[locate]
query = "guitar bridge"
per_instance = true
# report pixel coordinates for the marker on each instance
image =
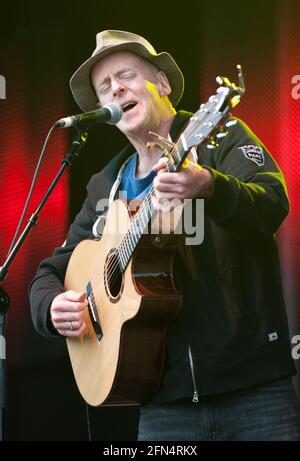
(93, 312)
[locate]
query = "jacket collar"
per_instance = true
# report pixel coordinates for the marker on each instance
(181, 119)
(115, 164)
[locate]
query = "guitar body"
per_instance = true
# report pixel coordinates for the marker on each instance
(123, 363)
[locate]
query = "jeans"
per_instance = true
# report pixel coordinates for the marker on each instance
(265, 412)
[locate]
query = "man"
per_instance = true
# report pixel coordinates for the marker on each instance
(228, 351)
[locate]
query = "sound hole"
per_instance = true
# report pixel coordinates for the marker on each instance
(113, 276)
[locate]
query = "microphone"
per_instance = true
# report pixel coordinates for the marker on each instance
(110, 113)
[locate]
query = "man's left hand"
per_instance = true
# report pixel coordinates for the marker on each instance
(191, 181)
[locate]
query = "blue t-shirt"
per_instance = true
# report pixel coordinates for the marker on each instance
(135, 187)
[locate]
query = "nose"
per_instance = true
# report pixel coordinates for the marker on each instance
(117, 88)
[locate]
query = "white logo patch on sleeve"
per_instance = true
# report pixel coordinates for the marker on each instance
(254, 153)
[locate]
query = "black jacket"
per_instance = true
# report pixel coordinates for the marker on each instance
(232, 331)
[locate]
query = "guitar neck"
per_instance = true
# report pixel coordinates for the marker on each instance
(200, 128)
(140, 221)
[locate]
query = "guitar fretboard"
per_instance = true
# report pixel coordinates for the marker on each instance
(140, 221)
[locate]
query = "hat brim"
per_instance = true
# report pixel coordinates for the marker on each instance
(83, 90)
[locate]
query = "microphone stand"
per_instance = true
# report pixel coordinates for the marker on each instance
(77, 143)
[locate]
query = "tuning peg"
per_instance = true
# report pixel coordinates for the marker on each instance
(230, 123)
(219, 80)
(212, 144)
(240, 90)
(223, 81)
(242, 87)
(221, 134)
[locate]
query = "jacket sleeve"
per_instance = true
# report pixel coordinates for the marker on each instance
(250, 194)
(49, 278)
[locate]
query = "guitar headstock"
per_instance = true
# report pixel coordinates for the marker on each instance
(207, 120)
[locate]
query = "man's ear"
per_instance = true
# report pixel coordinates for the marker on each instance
(163, 85)
(98, 104)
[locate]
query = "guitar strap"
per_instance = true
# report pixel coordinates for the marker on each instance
(100, 222)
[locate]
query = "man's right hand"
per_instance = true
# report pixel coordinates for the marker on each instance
(67, 311)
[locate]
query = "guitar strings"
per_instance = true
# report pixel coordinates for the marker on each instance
(124, 251)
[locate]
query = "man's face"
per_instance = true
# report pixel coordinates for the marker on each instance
(136, 85)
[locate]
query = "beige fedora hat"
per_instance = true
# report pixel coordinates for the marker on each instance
(109, 41)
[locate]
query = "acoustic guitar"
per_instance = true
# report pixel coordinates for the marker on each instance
(129, 280)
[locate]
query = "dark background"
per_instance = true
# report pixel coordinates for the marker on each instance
(41, 45)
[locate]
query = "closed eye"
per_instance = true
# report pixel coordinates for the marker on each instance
(127, 75)
(104, 88)
(122, 75)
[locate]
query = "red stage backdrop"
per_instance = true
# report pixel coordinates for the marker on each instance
(267, 44)
(287, 136)
(32, 104)
(263, 36)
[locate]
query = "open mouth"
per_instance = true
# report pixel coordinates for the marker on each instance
(128, 106)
